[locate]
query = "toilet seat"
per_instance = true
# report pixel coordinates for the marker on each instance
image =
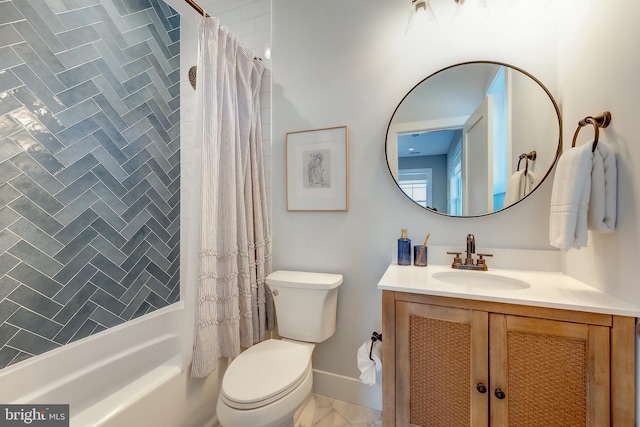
(265, 373)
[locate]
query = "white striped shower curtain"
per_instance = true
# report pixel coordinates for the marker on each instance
(233, 309)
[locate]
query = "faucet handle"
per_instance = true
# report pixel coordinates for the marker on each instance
(456, 259)
(481, 260)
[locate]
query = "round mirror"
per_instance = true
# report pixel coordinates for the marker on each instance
(473, 139)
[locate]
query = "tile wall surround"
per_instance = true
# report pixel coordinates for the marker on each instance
(89, 168)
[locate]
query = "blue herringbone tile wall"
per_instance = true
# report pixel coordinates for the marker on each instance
(89, 168)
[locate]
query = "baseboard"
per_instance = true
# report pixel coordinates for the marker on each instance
(348, 389)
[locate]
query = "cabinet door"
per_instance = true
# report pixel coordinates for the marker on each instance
(546, 372)
(441, 358)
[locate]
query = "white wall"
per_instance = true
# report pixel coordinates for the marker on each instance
(348, 63)
(599, 71)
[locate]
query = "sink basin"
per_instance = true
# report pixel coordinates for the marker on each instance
(480, 279)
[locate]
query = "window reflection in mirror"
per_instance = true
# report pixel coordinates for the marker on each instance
(417, 184)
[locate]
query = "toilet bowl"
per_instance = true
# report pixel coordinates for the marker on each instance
(270, 384)
(266, 385)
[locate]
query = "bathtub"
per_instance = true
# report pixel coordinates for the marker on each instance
(131, 374)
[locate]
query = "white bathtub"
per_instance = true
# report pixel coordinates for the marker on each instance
(131, 374)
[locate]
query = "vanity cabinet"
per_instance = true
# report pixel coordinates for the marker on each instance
(456, 362)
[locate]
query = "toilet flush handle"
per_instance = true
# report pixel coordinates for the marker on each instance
(275, 293)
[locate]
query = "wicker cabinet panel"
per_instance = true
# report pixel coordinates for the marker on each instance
(439, 372)
(547, 380)
(551, 373)
(446, 350)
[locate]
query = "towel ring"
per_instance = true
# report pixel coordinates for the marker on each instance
(599, 121)
(526, 163)
(527, 156)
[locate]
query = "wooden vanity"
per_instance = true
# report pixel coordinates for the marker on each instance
(456, 357)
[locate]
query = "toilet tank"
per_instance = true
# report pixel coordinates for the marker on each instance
(305, 304)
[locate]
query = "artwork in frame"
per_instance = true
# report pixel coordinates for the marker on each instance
(317, 170)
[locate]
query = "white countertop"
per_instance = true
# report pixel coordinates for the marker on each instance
(552, 290)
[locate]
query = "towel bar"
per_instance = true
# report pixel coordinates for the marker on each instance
(599, 121)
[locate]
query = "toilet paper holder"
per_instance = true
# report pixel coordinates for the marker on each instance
(374, 337)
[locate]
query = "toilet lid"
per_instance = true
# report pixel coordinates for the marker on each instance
(264, 373)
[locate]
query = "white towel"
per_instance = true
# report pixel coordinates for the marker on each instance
(369, 368)
(570, 198)
(518, 186)
(604, 190)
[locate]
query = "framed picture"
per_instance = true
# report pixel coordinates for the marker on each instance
(317, 175)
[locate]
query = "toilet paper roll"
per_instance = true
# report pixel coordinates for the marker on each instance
(369, 368)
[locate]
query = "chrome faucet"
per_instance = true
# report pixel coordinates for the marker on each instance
(468, 263)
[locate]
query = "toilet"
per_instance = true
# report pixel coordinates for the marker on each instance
(270, 384)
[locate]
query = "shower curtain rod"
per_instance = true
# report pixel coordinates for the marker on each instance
(197, 7)
(201, 11)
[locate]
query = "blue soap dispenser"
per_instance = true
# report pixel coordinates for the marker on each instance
(404, 248)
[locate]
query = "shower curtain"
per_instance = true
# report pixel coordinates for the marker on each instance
(234, 308)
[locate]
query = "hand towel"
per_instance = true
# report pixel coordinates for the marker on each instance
(528, 184)
(513, 188)
(604, 191)
(369, 368)
(518, 186)
(570, 198)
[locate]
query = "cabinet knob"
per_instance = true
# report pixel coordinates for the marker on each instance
(481, 388)
(500, 394)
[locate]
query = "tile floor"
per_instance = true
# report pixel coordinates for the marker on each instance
(336, 413)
